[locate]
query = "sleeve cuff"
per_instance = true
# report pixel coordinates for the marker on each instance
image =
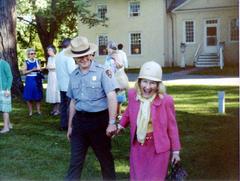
(176, 152)
(119, 126)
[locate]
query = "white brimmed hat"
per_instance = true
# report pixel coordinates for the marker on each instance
(151, 71)
(80, 47)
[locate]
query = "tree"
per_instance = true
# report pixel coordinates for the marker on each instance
(8, 41)
(54, 18)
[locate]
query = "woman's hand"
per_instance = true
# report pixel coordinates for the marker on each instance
(36, 69)
(175, 157)
(111, 130)
(119, 129)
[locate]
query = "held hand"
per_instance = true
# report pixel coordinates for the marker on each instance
(175, 158)
(69, 133)
(119, 129)
(111, 130)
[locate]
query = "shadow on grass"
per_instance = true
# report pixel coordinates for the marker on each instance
(210, 145)
(36, 150)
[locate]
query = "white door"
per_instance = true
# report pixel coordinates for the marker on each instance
(211, 36)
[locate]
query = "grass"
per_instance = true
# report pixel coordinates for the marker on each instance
(226, 71)
(35, 150)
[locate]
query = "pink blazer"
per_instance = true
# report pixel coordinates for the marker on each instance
(165, 130)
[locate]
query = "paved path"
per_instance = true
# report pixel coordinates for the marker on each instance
(183, 78)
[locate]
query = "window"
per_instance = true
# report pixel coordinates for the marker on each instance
(102, 11)
(189, 31)
(135, 43)
(102, 45)
(134, 9)
(213, 21)
(234, 29)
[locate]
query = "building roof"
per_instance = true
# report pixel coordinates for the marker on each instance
(174, 4)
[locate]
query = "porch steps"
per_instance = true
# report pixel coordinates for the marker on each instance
(207, 60)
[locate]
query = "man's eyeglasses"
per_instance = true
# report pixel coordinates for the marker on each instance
(31, 53)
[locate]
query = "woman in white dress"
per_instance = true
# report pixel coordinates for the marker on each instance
(52, 93)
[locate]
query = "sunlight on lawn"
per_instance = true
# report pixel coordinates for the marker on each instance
(35, 149)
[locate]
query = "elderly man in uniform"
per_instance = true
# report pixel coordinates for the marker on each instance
(92, 111)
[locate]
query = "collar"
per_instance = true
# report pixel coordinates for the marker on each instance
(31, 60)
(93, 66)
(157, 100)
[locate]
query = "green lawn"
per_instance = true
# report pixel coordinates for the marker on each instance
(35, 150)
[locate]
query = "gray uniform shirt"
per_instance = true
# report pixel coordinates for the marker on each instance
(90, 90)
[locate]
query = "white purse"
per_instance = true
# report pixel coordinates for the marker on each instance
(121, 78)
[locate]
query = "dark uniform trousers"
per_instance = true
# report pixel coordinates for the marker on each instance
(89, 129)
(64, 105)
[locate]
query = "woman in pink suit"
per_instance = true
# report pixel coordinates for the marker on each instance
(153, 127)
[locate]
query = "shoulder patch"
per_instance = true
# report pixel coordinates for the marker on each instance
(109, 73)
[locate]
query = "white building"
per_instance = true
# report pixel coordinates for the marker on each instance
(155, 29)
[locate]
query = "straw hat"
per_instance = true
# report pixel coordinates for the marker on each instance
(80, 47)
(151, 71)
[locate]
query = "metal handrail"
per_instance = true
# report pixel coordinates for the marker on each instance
(197, 53)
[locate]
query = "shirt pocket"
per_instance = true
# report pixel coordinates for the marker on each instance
(94, 90)
(76, 90)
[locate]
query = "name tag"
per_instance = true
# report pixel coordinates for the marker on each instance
(94, 78)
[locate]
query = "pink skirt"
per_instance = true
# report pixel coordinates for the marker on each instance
(145, 163)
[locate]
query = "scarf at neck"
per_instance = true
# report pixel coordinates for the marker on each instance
(143, 117)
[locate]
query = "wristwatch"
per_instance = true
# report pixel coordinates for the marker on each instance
(112, 121)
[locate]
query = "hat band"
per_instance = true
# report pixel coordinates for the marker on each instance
(81, 52)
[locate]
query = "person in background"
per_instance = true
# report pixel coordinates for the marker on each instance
(123, 55)
(33, 87)
(153, 127)
(5, 93)
(52, 92)
(92, 110)
(64, 67)
(115, 62)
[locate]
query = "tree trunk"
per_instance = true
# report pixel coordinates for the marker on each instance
(47, 28)
(8, 41)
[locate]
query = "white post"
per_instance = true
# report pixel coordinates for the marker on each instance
(221, 57)
(221, 102)
(182, 48)
(182, 61)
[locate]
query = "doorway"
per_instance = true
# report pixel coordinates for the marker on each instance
(211, 36)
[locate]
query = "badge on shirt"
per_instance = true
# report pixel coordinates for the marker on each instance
(109, 73)
(94, 78)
